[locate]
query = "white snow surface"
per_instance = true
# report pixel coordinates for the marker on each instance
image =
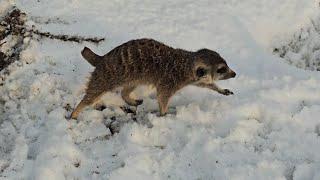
(303, 49)
(269, 129)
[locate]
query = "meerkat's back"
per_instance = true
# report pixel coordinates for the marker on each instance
(145, 60)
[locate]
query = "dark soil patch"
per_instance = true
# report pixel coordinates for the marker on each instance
(12, 24)
(3, 62)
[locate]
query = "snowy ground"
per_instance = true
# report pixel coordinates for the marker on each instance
(269, 129)
(303, 49)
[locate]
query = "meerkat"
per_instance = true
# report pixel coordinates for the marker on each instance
(149, 62)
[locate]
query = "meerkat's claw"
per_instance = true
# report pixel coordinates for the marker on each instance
(134, 102)
(100, 107)
(159, 114)
(139, 102)
(73, 117)
(70, 117)
(227, 92)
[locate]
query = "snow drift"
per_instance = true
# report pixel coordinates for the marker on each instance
(269, 129)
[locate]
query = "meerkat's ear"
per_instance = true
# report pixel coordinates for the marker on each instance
(201, 72)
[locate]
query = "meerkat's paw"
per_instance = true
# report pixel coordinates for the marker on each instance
(100, 107)
(158, 114)
(68, 117)
(138, 102)
(135, 102)
(128, 109)
(72, 117)
(226, 92)
(171, 110)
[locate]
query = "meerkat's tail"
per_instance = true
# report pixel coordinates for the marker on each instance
(90, 56)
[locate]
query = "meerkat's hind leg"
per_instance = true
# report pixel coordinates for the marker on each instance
(89, 99)
(125, 94)
(96, 88)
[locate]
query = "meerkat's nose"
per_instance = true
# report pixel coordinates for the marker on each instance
(233, 74)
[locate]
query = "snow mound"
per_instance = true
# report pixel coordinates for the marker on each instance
(269, 129)
(303, 51)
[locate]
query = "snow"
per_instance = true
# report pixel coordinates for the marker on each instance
(269, 129)
(303, 48)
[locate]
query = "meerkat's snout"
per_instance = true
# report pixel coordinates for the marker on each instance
(227, 75)
(223, 72)
(232, 74)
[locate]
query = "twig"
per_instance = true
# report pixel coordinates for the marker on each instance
(63, 37)
(3, 43)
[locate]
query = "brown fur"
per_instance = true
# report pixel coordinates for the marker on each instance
(149, 62)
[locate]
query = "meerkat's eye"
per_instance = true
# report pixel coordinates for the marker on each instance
(201, 72)
(222, 70)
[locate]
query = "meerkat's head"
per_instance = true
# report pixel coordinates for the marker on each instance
(209, 66)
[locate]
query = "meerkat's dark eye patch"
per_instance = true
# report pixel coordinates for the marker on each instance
(222, 70)
(201, 72)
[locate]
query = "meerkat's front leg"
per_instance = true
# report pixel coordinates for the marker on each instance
(97, 86)
(163, 97)
(163, 104)
(214, 87)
